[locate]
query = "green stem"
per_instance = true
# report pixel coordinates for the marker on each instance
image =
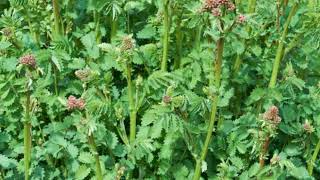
(313, 159)
(165, 39)
(238, 62)
(56, 79)
(198, 38)
(114, 26)
(96, 156)
(128, 23)
(179, 37)
(276, 64)
(132, 110)
(27, 138)
(97, 28)
(218, 70)
(57, 19)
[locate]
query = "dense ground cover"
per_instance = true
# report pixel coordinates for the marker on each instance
(159, 89)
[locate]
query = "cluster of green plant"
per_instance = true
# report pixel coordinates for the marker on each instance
(159, 89)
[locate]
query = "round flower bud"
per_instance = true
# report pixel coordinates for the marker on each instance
(272, 115)
(166, 99)
(74, 103)
(83, 75)
(308, 127)
(275, 159)
(7, 32)
(241, 19)
(128, 43)
(28, 60)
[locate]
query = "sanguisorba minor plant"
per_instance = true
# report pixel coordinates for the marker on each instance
(29, 65)
(182, 89)
(221, 10)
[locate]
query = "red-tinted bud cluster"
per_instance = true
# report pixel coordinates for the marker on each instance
(308, 127)
(28, 60)
(74, 103)
(272, 115)
(214, 6)
(166, 99)
(242, 19)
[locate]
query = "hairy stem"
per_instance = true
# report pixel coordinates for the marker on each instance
(217, 79)
(165, 37)
(264, 150)
(93, 148)
(27, 138)
(313, 159)
(276, 64)
(132, 110)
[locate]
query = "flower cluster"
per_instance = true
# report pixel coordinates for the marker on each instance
(7, 32)
(308, 127)
(120, 172)
(166, 99)
(83, 74)
(28, 60)
(275, 159)
(241, 19)
(214, 6)
(128, 43)
(272, 115)
(74, 103)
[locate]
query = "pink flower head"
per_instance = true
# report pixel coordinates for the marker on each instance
(272, 115)
(242, 19)
(28, 60)
(74, 103)
(231, 6)
(216, 12)
(213, 4)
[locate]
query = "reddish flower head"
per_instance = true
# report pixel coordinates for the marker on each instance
(74, 103)
(211, 5)
(28, 60)
(272, 115)
(216, 12)
(242, 19)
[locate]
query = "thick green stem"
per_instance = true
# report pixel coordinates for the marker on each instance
(56, 79)
(179, 37)
(114, 26)
(165, 40)
(27, 138)
(57, 19)
(276, 64)
(132, 110)
(96, 156)
(313, 159)
(97, 28)
(198, 35)
(238, 62)
(217, 79)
